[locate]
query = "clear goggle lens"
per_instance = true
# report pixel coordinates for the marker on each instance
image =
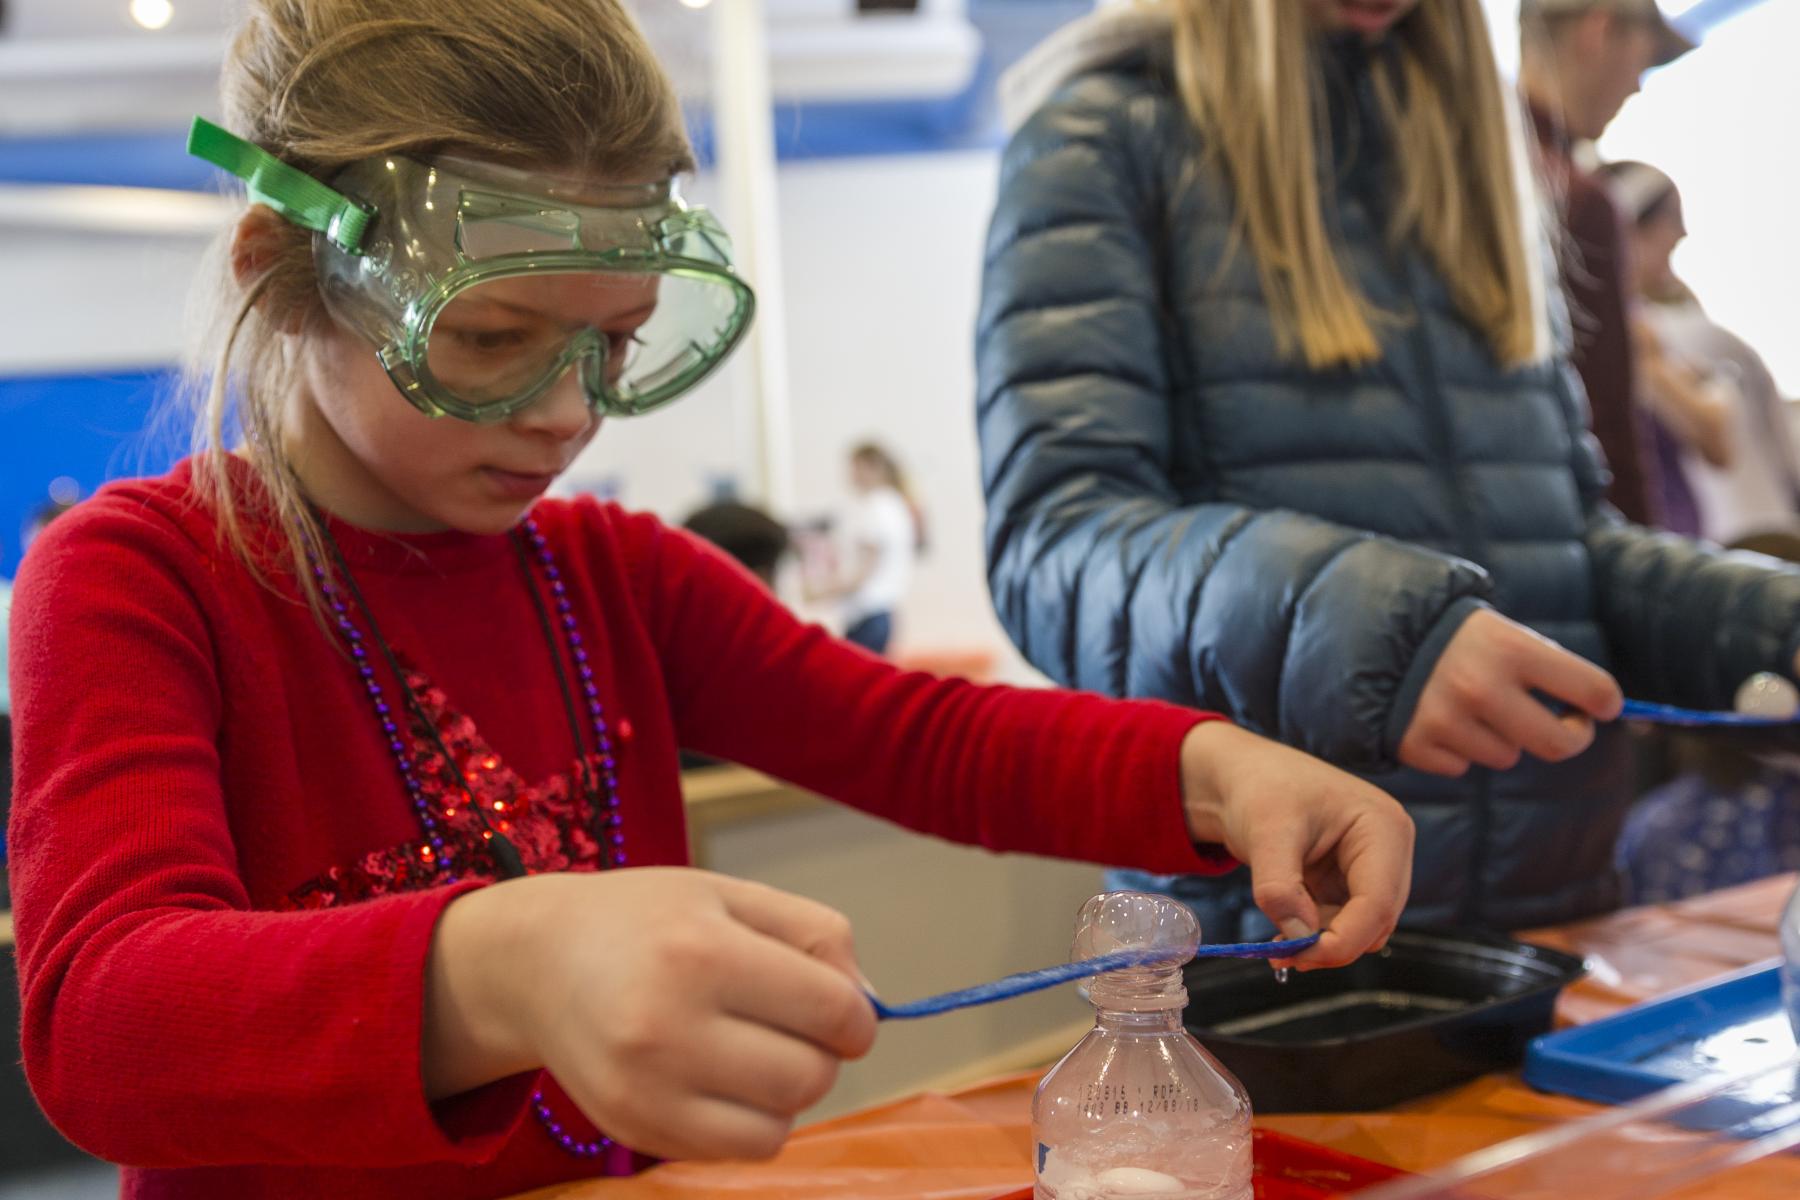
(637, 339)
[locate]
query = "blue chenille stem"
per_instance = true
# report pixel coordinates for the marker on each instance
(1048, 977)
(1668, 714)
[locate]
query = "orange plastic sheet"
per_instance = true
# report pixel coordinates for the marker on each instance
(975, 1144)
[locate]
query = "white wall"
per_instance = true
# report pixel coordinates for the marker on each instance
(882, 260)
(1718, 121)
(77, 301)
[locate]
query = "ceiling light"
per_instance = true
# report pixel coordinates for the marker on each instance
(152, 14)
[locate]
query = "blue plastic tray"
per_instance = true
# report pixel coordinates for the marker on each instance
(1731, 1025)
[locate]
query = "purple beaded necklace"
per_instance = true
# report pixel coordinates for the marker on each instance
(609, 824)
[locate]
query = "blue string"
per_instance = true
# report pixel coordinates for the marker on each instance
(1048, 977)
(1668, 714)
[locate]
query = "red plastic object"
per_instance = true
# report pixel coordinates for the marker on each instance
(1289, 1168)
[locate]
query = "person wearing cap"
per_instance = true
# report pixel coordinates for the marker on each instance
(1580, 61)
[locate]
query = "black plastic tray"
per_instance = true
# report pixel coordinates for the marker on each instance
(1431, 1010)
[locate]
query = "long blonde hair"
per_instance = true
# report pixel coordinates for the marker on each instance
(1250, 80)
(567, 84)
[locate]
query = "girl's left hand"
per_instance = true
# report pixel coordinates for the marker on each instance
(1326, 851)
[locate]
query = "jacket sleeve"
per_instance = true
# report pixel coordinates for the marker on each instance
(1685, 621)
(1311, 632)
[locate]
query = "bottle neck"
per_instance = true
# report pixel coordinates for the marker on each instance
(1149, 990)
(1160, 1021)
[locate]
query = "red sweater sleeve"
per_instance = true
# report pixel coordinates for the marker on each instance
(164, 1023)
(1066, 774)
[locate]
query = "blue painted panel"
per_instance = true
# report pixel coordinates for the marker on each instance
(802, 131)
(159, 160)
(90, 428)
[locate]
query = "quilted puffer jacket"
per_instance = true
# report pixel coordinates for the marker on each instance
(1178, 509)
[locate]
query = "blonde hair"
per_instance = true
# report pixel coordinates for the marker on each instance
(560, 84)
(1250, 81)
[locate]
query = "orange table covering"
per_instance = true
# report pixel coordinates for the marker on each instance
(976, 1144)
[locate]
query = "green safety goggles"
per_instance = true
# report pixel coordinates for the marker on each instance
(481, 286)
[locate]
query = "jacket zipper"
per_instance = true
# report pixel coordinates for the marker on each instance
(1469, 545)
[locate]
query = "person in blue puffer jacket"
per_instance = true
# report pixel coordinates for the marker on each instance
(1273, 421)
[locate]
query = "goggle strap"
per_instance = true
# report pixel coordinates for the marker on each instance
(286, 189)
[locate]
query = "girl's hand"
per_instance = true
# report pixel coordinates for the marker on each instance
(689, 1015)
(1326, 851)
(1478, 706)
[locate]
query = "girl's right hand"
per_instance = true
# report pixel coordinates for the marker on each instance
(689, 1015)
(1477, 707)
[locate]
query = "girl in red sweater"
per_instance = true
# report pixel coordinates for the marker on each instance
(348, 846)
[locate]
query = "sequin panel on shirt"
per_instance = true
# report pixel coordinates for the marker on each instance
(551, 822)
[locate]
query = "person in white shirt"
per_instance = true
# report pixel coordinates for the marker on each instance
(885, 532)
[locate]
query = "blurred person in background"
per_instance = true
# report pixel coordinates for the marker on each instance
(1276, 417)
(1706, 386)
(748, 534)
(1580, 60)
(885, 529)
(756, 540)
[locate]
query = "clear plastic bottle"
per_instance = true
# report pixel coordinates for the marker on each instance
(1138, 1108)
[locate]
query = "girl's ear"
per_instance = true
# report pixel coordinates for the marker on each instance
(255, 243)
(260, 240)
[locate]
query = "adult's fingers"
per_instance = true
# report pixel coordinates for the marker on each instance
(1423, 754)
(1524, 722)
(1571, 678)
(1474, 740)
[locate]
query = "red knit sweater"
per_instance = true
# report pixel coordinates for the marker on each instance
(222, 907)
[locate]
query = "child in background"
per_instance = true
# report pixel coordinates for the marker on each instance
(750, 535)
(349, 856)
(885, 532)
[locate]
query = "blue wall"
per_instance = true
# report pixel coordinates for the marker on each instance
(88, 427)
